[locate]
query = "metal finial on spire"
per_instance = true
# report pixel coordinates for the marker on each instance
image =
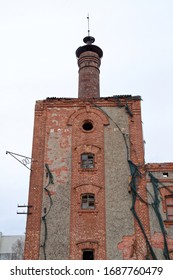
(89, 39)
(88, 18)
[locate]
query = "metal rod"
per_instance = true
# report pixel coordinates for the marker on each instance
(7, 152)
(88, 18)
(12, 154)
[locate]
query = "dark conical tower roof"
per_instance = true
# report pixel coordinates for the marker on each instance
(89, 40)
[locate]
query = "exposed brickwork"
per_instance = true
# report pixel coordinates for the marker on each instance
(87, 227)
(32, 243)
(89, 86)
(165, 188)
(158, 242)
(58, 158)
(128, 248)
(137, 157)
(58, 227)
(59, 141)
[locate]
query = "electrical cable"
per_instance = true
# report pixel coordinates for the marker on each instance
(132, 183)
(166, 187)
(123, 134)
(50, 181)
(124, 137)
(155, 206)
(135, 173)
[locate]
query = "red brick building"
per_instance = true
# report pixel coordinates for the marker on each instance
(91, 194)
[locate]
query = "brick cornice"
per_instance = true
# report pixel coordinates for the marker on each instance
(159, 167)
(115, 101)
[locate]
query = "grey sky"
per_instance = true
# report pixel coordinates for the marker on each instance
(37, 60)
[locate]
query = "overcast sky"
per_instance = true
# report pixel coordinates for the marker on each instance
(38, 40)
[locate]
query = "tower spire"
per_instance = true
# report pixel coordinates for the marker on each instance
(89, 60)
(88, 18)
(89, 39)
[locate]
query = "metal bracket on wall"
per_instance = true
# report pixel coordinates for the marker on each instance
(24, 160)
(24, 206)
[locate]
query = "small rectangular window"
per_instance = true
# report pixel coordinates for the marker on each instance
(165, 174)
(87, 160)
(88, 254)
(88, 201)
(169, 207)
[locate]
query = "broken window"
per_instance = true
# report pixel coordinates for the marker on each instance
(87, 160)
(88, 201)
(88, 255)
(169, 207)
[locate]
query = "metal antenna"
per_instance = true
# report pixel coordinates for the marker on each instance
(88, 18)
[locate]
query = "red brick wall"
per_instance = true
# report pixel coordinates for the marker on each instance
(87, 227)
(165, 188)
(137, 157)
(32, 243)
(89, 85)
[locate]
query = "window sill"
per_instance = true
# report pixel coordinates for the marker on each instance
(87, 170)
(90, 211)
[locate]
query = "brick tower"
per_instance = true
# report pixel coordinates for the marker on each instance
(88, 185)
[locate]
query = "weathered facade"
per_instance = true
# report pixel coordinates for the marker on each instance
(92, 195)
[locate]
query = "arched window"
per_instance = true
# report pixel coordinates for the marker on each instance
(87, 160)
(88, 201)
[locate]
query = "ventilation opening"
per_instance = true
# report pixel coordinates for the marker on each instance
(88, 255)
(165, 174)
(87, 126)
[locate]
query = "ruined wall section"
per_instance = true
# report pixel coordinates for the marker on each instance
(119, 219)
(163, 172)
(56, 201)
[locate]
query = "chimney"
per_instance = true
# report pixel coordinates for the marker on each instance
(89, 60)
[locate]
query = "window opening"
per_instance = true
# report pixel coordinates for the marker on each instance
(88, 255)
(87, 161)
(169, 207)
(88, 201)
(87, 126)
(165, 174)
